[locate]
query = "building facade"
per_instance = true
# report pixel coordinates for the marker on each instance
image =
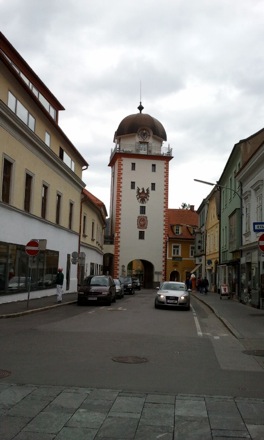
(40, 184)
(182, 225)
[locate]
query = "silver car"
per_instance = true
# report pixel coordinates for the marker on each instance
(173, 294)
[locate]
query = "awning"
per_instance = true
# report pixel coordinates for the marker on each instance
(196, 268)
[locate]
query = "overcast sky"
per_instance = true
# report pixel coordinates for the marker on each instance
(200, 64)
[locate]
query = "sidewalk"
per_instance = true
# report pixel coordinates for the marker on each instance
(19, 308)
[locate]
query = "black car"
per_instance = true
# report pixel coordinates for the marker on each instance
(129, 286)
(97, 289)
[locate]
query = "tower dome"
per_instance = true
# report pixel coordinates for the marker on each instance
(133, 123)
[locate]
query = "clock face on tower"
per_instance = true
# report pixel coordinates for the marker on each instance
(143, 134)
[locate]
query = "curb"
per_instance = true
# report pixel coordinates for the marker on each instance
(226, 323)
(39, 309)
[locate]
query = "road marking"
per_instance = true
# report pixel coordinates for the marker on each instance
(198, 327)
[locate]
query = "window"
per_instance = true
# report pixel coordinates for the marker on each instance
(153, 186)
(176, 250)
(132, 185)
(93, 231)
(142, 210)
(58, 208)
(192, 251)
(141, 235)
(66, 159)
(153, 168)
(70, 215)
(177, 230)
(47, 139)
(84, 225)
(7, 177)
(259, 208)
(44, 199)
(133, 166)
(28, 189)
(18, 108)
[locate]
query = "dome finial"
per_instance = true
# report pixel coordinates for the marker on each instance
(140, 107)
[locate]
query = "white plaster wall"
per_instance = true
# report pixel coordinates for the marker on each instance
(131, 247)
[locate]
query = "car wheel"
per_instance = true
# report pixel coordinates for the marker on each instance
(156, 305)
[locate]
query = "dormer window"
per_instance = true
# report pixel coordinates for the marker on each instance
(177, 230)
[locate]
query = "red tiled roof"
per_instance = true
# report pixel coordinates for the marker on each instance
(186, 218)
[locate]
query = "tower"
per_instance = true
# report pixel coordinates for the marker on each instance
(139, 198)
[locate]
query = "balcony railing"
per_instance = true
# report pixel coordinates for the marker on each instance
(138, 148)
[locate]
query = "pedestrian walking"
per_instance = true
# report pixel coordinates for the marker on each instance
(59, 284)
(204, 285)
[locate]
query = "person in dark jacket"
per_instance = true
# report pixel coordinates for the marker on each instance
(59, 284)
(204, 285)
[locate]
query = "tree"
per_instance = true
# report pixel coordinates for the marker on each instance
(185, 205)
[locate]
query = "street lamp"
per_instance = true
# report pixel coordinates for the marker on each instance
(218, 186)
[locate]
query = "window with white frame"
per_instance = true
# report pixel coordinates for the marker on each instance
(192, 251)
(176, 250)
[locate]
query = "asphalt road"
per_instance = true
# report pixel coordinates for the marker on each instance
(131, 346)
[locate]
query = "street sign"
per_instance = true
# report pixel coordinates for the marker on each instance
(32, 248)
(258, 226)
(261, 242)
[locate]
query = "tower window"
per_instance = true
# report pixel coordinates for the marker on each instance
(153, 186)
(153, 168)
(142, 210)
(141, 235)
(133, 166)
(132, 185)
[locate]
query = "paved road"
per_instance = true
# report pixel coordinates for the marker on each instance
(44, 412)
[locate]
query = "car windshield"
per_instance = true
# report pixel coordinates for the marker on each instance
(117, 282)
(96, 281)
(172, 286)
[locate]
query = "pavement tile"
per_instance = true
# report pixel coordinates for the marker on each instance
(190, 408)
(157, 415)
(194, 428)
(104, 394)
(160, 398)
(252, 412)
(47, 392)
(128, 405)
(224, 415)
(11, 426)
(14, 394)
(83, 418)
(220, 433)
(256, 431)
(27, 408)
(97, 405)
(118, 428)
(68, 400)
(33, 436)
(69, 433)
(47, 422)
(154, 433)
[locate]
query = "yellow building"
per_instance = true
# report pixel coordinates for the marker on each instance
(212, 239)
(182, 224)
(40, 183)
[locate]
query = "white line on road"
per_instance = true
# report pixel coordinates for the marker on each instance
(198, 327)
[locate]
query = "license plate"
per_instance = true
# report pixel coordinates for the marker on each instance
(172, 301)
(92, 298)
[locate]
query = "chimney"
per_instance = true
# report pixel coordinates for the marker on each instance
(191, 207)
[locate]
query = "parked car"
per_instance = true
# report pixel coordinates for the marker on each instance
(119, 288)
(129, 287)
(97, 289)
(18, 283)
(173, 294)
(136, 283)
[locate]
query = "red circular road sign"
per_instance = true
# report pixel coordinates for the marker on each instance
(32, 248)
(261, 242)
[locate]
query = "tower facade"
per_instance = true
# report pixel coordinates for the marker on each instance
(139, 198)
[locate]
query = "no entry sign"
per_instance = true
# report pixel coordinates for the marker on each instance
(261, 242)
(32, 248)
